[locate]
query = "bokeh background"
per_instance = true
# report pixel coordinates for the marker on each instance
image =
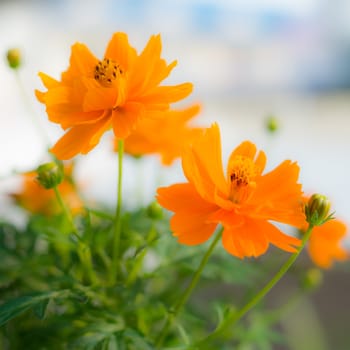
(248, 60)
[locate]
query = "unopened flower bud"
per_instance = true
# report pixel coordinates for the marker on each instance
(50, 174)
(312, 279)
(317, 210)
(272, 124)
(14, 58)
(154, 211)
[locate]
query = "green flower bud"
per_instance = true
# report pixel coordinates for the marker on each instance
(312, 279)
(272, 124)
(317, 210)
(50, 174)
(155, 211)
(14, 58)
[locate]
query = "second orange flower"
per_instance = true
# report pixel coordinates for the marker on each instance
(244, 201)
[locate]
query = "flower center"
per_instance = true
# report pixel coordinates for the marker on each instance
(242, 172)
(107, 71)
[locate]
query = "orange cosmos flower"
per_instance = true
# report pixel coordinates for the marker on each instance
(243, 201)
(38, 200)
(165, 135)
(115, 92)
(325, 243)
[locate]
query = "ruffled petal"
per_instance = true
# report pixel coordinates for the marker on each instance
(141, 79)
(166, 94)
(278, 196)
(202, 164)
(253, 238)
(120, 50)
(324, 246)
(99, 98)
(80, 139)
(189, 223)
(124, 118)
(82, 63)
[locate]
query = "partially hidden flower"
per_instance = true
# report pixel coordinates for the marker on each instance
(165, 135)
(95, 95)
(325, 244)
(38, 200)
(244, 201)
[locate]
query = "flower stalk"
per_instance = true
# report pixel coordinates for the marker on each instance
(117, 219)
(235, 317)
(188, 291)
(83, 249)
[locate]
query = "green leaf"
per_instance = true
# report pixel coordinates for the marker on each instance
(38, 302)
(40, 308)
(137, 339)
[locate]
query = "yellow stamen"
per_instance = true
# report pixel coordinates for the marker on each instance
(107, 72)
(241, 176)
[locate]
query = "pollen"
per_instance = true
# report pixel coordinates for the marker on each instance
(107, 71)
(242, 172)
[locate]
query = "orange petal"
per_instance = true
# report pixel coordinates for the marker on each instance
(124, 118)
(82, 63)
(167, 94)
(324, 246)
(202, 164)
(278, 196)
(253, 238)
(191, 212)
(48, 81)
(80, 139)
(99, 98)
(190, 229)
(183, 197)
(120, 50)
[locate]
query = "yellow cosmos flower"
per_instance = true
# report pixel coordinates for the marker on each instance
(245, 201)
(165, 135)
(116, 92)
(38, 200)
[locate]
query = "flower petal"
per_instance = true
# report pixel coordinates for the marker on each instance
(80, 139)
(120, 50)
(124, 118)
(325, 244)
(278, 196)
(189, 223)
(99, 98)
(253, 238)
(82, 63)
(166, 94)
(202, 164)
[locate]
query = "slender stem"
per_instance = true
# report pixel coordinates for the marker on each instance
(66, 212)
(234, 318)
(83, 249)
(33, 115)
(183, 299)
(133, 273)
(117, 218)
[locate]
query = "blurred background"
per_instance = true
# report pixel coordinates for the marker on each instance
(248, 60)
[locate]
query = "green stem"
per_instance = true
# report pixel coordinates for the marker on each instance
(132, 275)
(117, 218)
(83, 249)
(234, 318)
(33, 115)
(172, 315)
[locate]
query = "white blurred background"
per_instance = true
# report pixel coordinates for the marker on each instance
(247, 59)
